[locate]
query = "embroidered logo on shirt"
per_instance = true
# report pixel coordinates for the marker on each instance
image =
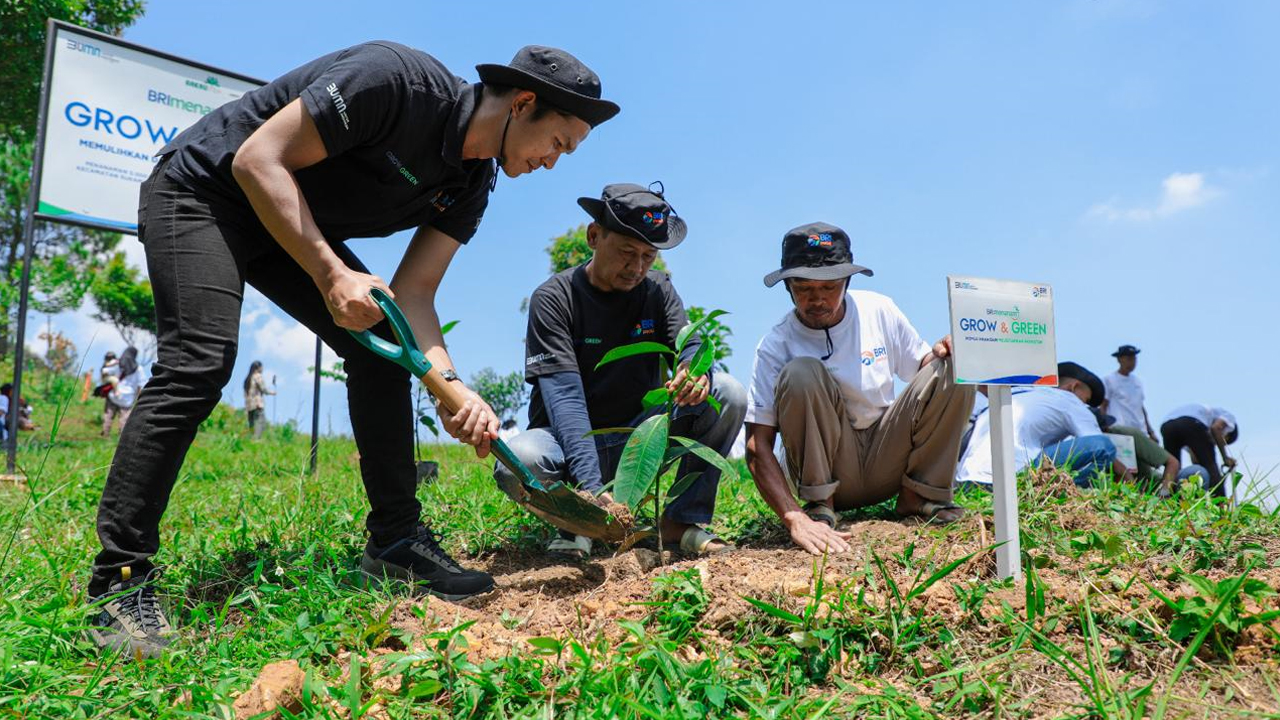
(538, 358)
(339, 104)
(820, 240)
(591, 341)
(644, 327)
(442, 201)
(654, 219)
(874, 356)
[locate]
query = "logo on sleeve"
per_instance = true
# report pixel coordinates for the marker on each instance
(540, 357)
(644, 327)
(339, 104)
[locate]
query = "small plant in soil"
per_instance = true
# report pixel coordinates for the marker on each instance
(652, 450)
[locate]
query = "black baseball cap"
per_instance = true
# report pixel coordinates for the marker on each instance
(638, 212)
(816, 251)
(1097, 391)
(1125, 350)
(557, 78)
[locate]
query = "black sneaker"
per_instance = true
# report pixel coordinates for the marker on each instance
(130, 619)
(420, 561)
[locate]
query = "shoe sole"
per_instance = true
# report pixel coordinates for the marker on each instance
(381, 571)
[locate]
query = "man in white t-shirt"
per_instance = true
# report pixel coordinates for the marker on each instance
(823, 379)
(1198, 429)
(1126, 399)
(1052, 424)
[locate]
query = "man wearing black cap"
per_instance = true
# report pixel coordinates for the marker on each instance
(823, 379)
(363, 142)
(1050, 425)
(1126, 398)
(582, 313)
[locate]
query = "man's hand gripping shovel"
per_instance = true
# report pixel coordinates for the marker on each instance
(556, 503)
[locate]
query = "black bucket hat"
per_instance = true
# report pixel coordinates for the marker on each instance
(557, 78)
(1125, 350)
(816, 251)
(1098, 391)
(638, 212)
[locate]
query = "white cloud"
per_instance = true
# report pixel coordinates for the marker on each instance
(1179, 191)
(282, 341)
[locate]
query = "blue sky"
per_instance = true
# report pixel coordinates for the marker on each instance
(1123, 151)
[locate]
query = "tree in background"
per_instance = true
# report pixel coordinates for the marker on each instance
(506, 394)
(571, 249)
(124, 299)
(66, 257)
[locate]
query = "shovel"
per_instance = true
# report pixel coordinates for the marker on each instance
(554, 502)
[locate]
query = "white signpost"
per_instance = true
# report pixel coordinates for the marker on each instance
(1002, 333)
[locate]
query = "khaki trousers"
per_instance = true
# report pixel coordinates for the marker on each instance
(914, 446)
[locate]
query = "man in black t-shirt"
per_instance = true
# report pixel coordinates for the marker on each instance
(580, 314)
(363, 142)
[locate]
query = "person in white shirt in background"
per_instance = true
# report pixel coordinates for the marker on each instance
(1051, 425)
(823, 379)
(1126, 398)
(125, 387)
(1199, 428)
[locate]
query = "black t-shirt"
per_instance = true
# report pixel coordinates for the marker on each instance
(392, 119)
(571, 327)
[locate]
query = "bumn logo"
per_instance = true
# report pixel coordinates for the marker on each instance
(339, 104)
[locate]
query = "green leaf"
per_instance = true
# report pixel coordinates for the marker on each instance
(626, 351)
(714, 403)
(547, 644)
(711, 456)
(703, 359)
(678, 487)
(682, 338)
(611, 431)
(1203, 585)
(444, 329)
(655, 397)
(941, 573)
(640, 460)
(775, 611)
(425, 688)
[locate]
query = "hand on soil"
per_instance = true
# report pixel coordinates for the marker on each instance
(476, 424)
(816, 538)
(346, 294)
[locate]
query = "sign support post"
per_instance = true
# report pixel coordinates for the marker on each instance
(28, 252)
(1004, 478)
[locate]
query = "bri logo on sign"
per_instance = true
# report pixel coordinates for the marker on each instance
(820, 240)
(874, 356)
(644, 327)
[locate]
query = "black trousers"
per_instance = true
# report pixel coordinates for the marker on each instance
(200, 253)
(1185, 432)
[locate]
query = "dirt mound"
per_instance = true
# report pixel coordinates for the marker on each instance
(541, 596)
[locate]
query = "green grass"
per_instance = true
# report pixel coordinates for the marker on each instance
(259, 562)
